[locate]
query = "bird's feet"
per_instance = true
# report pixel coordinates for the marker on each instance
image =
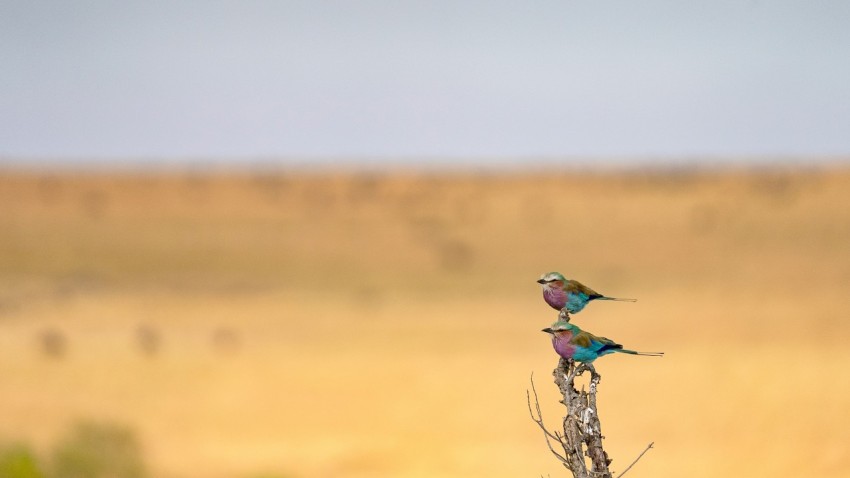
(564, 315)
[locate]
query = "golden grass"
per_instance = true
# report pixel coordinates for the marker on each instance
(387, 325)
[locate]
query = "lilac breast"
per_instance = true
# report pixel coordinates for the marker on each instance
(563, 346)
(555, 297)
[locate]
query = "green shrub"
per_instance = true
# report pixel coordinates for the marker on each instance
(98, 450)
(18, 461)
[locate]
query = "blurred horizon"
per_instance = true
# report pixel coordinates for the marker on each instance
(433, 165)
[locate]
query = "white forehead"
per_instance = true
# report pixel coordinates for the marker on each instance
(551, 276)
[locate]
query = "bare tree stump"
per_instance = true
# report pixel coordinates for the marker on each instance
(582, 429)
(582, 432)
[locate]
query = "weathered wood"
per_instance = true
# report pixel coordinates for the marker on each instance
(582, 428)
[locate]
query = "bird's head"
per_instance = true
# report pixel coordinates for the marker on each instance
(550, 277)
(559, 326)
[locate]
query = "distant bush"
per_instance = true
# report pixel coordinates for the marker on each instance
(98, 450)
(18, 461)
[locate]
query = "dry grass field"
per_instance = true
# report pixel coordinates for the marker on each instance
(284, 324)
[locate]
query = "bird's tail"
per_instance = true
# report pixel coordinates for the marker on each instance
(648, 354)
(617, 299)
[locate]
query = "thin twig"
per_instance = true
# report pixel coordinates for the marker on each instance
(636, 460)
(539, 413)
(539, 421)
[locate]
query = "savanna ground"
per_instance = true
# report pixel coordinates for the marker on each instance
(385, 325)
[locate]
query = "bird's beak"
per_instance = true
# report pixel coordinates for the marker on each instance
(548, 330)
(541, 281)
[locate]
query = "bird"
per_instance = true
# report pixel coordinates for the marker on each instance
(570, 342)
(561, 293)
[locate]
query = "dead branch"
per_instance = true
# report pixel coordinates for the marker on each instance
(581, 426)
(539, 421)
(582, 430)
(582, 437)
(636, 460)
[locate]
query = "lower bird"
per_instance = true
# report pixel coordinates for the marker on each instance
(570, 342)
(561, 293)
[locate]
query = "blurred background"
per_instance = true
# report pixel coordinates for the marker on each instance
(300, 239)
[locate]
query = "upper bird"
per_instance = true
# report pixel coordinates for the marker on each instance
(573, 343)
(561, 293)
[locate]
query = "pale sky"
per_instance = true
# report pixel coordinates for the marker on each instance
(424, 79)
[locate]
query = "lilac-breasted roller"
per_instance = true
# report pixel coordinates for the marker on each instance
(561, 293)
(573, 343)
